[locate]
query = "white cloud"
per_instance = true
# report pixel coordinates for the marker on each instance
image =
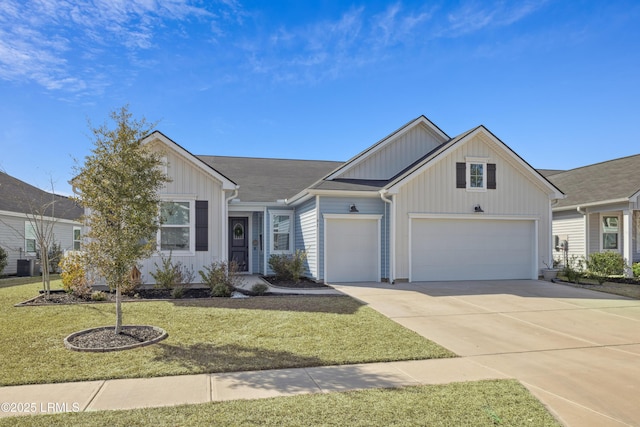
(47, 41)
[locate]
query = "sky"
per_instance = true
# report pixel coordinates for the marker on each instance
(557, 80)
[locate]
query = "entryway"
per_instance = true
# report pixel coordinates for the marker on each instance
(239, 242)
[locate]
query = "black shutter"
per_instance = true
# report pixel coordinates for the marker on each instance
(461, 175)
(491, 176)
(202, 225)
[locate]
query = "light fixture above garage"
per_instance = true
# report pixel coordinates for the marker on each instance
(353, 209)
(478, 209)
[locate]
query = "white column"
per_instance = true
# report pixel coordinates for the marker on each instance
(627, 238)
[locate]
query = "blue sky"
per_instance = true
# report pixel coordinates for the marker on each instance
(557, 81)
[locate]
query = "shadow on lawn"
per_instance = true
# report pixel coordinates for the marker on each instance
(336, 304)
(231, 357)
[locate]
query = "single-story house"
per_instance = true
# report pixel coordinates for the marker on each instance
(601, 211)
(22, 206)
(417, 205)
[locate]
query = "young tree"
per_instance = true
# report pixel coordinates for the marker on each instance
(118, 186)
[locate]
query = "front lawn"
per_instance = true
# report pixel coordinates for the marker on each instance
(206, 335)
(482, 403)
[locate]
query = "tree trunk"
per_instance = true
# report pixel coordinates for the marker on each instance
(44, 267)
(118, 310)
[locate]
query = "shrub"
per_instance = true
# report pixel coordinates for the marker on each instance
(178, 292)
(222, 278)
(287, 266)
(55, 256)
(3, 260)
(171, 274)
(635, 267)
(259, 288)
(574, 270)
(605, 264)
(98, 296)
(131, 282)
(75, 279)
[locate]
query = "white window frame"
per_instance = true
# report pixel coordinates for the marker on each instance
(74, 240)
(619, 232)
(30, 234)
(272, 233)
(192, 226)
(476, 161)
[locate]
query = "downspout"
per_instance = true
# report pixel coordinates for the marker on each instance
(225, 225)
(391, 259)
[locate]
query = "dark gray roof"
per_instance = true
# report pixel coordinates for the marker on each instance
(610, 180)
(268, 180)
(18, 196)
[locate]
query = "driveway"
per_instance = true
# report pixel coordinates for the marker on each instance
(577, 351)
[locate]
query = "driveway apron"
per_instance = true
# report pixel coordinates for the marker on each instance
(576, 350)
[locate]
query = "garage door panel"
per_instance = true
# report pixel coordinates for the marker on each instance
(352, 250)
(445, 249)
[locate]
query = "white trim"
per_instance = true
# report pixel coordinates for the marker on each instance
(291, 215)
(535, 219)
(316, 274)
(601, 216)
(476, 161)
(554, 193)
(192, 227)
(359, 158)
(227, 184)
(354, 217)
(474, 216)
(73, 237)
(35, 216)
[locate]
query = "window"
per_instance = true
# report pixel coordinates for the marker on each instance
(476, 174)
(76, 238)
(175, 226)
(281, 232)
(29, 238)
(610, 232)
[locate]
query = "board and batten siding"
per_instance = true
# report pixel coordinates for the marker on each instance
(306, 238)
(396, 156)
(571, 224)
(434, 191)
(191, 183)
(365, 205)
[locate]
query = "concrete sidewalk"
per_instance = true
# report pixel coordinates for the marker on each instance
(193, 389)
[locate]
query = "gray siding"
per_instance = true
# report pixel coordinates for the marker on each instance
(571, 224)
(365, 205)
(306, 238)
(12, 238)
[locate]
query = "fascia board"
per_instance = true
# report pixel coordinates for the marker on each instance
(553, 192)
(592, 204)
(227, 184)
(386, 141)
(32, 217)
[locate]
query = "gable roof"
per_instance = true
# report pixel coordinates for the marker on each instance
(269, 180)
(606, 182)
(19, 197)
(384, 142)
(448, 146)
(227, 183)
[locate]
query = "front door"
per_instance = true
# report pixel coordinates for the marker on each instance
(239, 242)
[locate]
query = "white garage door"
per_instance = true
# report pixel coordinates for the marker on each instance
(352, 250)
(462, 249)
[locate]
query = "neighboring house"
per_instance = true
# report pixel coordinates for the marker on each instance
(21, 206)
(416, 206)
(601, 210)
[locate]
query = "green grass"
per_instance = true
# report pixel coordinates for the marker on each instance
(212, 335)
(478, 404)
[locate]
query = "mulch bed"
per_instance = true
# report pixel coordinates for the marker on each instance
(304, 283)
(100, 338)
(61, 297)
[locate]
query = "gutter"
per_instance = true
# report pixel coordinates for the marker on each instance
(392, 235)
